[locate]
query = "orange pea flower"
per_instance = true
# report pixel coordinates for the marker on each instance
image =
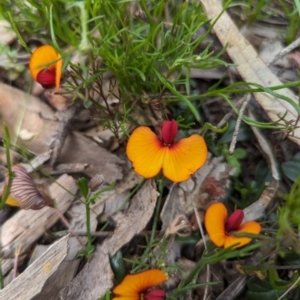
(136, 286)
(178, 160)
(220, 229)
(45, 66)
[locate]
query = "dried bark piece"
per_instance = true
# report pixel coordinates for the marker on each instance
(47, 275)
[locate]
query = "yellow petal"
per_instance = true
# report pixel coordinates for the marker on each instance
(249, 227)
(184, 158)
(215, 218)
(12, 201)
(46, 57)
(134, 284)
(145, 151)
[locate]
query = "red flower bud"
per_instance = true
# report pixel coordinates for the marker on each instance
(169, 132)
(46, 78)
(155, 295)
(234, 221)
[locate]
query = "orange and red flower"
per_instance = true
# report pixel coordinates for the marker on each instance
(221, 230)
(139, 286)
(178, 160)
(45, 66)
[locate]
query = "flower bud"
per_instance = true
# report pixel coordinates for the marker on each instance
(234, 221)
(169, 132)
(46, 78)
(155, 295)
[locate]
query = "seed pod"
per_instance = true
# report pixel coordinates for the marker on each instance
(24, 193)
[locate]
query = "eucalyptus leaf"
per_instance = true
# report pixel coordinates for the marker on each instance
(117, 265)
(291, 168)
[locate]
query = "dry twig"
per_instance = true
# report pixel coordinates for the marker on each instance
(246, 100)
(285, 51)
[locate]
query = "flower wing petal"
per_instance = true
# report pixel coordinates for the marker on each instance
(145, 151)
(249, 227)
(134, 284)
(184, 158)
(11, 201)
(127, 298)
(44, 57)
(214, 220)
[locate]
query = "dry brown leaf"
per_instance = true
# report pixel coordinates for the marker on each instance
(22, 112)
(25, 113)
(58, 101)
(252, 68)
(96, 276)
(80, 149)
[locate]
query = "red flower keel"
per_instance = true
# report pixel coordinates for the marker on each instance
(234, 221)
(155, 295)
(169, 132)
(46, 78)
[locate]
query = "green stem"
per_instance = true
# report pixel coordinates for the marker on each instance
(217, 257)
(88, 222)
(52, 31)
(16, 30)
(149, 17)
(132, 193)
(232, 90)
(1, 278)
(156, 216)
(213, 128)
(157, 209)
(8, 163)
